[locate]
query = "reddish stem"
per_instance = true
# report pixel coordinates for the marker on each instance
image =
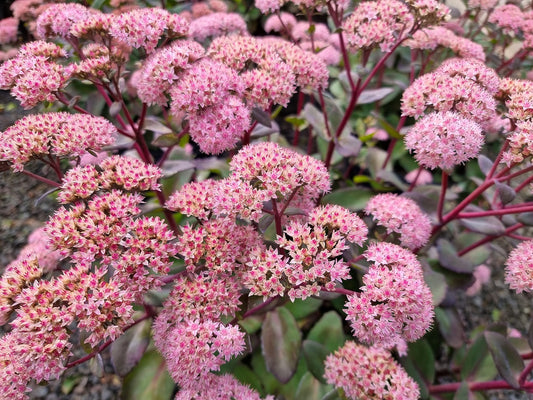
(501, 211)
(489, 239)
(475, 386)
(41, 178)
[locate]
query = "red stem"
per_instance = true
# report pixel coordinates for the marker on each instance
(489, 239)
(452, 387)
(41, 178)
(501, 211)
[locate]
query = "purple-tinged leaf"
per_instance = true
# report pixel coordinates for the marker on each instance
(486, 225)
(450, 326)
(281, 340)
(262, 117)
(506, 192)
(506, 358)
(129, 348)
(485, 164)
(449, 259)
(315, 354)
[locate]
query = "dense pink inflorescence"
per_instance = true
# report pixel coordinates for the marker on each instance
(395, 305)
(430, 38)
(282, 22)
(217, 24)
(403, 216)
(219, 387)
(519, 268)
(58, 19)
(163, 68)
(444, 140)
(142, 28)
(194, 199)
(8, 30)
(377, 23)
(520, 143)
(59, 133)
(509, 17)
(369, 373)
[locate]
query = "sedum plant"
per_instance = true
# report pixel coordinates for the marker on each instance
(288, 215)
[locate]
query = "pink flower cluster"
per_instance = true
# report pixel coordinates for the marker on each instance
(369, 373)
(8, 30)
(403, 216)
(314, 250)
(58, 19)
(113, 172)
(395, 305)
(217, 24)
(520, 143)
(519, 268)
(430, 38)
(220, 387)
(518, 98)
(144, 27)
(194, 199)
(61, 134)
(33, 76)
(377, 23)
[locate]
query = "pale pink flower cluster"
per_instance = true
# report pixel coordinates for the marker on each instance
(220, 387)
(33, 76)
(474, 70)
(267, 6)
(38, 247)
(377, 23)
(444, 140)
(282, 22)
(369, 373)
(403, 216)
(163, 68)
(395, 305)
(59, 133)
(430, 38)
(209, 92)
(423, 178)
(143, 27)
(428, 12)
(321, 42)
(194, 199)
(217, 24)
(194, 348)
(445, 91)
(482, 4)
(29, 10)
(94, 26)
(509, 17)
(481, 277)
(267, 171)
(519, 268)
(58, 19)
(202, 8)
(518, 97)
(217, 245)
(8, 30)
(314, 249)
(520, 143)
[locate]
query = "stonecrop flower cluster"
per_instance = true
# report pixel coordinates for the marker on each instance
(184, 207)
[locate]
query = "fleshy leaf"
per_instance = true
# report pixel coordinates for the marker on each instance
(450, 326)
(485, 164)
(281, 340)
(309, 388)
(449, 259)
(328, 331)
(373, 95)
(315, 354)
(507, 360)
(262, 117)
(129, 348)
(353, 198)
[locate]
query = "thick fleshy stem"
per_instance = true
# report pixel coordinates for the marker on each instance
(41, 178)
(259, 307)
(342, 290)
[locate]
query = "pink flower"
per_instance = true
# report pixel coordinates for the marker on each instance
(266, 6)
(519, 268)
(194, 199)
(444, 140)
(145, 26)
(61, 134)
(58, 19)
(472, 69)
(8, 30)
(508, 17)
(95, 25)
(192, 348)
(163, 68)
(422, 177)
(282, 22)
(395, 304)
(377, 23)
(403, 216)
(217, 24)
(368, 373)
(219, 387)
(430, 38)
(482, 276)
(520, 143)
(482, 4)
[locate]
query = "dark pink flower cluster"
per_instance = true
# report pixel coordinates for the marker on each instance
(369, 373)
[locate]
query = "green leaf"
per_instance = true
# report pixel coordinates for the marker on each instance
(424, 359)
(437, 284)
(302, 308)
(474, 358)
(149, 380)
(244, 374)
(281, 340)
(251, 324)
(129, 348)
(310, 389)
(354, 198)
(332, 395)
(315, 354)
(463, 393)
(97, 4)
(166, 140)
(375, 159)
(449, 259)
(328, 331)
(507, 360)
(450, 326)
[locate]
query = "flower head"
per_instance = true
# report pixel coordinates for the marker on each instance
(217, 24)
(519, 268)
(58, 19)
(8, 30)
(194, 199)
(369, 373)
(401, 215)
(444, 140)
